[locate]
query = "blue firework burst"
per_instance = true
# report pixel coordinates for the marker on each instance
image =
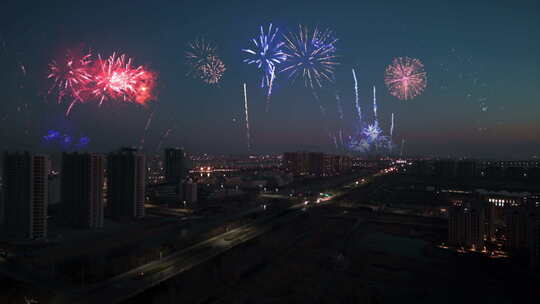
(266, 53)
(311, 54)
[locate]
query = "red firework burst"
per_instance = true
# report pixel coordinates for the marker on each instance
(116, 78)
(405, 78)
(113, 78)
(71, 75)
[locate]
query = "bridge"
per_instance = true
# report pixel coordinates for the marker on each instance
(137, 280)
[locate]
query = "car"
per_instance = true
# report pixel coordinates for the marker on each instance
(139, 275)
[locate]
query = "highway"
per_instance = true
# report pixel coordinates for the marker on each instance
(139, 279)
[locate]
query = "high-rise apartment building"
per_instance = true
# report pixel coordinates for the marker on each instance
(534, 242)
(25, 195)
(466, 225)
(522, 221)
(315, 163)
(175, 165)
(126, 184)
(82, 194)
(190, 192)
(516, 229)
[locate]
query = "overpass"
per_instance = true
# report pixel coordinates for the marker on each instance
(137, 280)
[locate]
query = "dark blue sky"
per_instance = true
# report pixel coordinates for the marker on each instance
(482, 60)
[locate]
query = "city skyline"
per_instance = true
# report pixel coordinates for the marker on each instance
(480, 61)
(279, 152)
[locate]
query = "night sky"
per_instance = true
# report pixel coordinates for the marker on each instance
(481, 58)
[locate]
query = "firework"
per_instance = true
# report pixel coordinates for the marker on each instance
(372, 132)
(83, 79)
(311, 55)
(71, 75)
(383, 142)
(163, 137)
(203, 61)
(356, 99)
(145, 87)
(148, 121)
(266, 53)
(198, 51)
(65, 141)
(392, 126)
(83, 142)
(391, 132)
(51, 135)
(116, 79)
(405, 78)
(246, 109)
(212, 71)
(146, 127)
(375, 104)
(71, 104)
(359, 145)
(339, 107)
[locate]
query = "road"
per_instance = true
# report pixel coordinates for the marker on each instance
(131, 283)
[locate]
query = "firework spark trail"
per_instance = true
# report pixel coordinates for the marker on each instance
(321, 106)
(392, 127)
(339, 107)
(375, 105)
(402, 145)
(149, 121)
(141, 143)
(356, 99)
(165, 135)
(23, 69)
(270, 86)
(340, 114)
(146, 127)
(246, 109)
(71, 104)
(335, 141)
(391, 133)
